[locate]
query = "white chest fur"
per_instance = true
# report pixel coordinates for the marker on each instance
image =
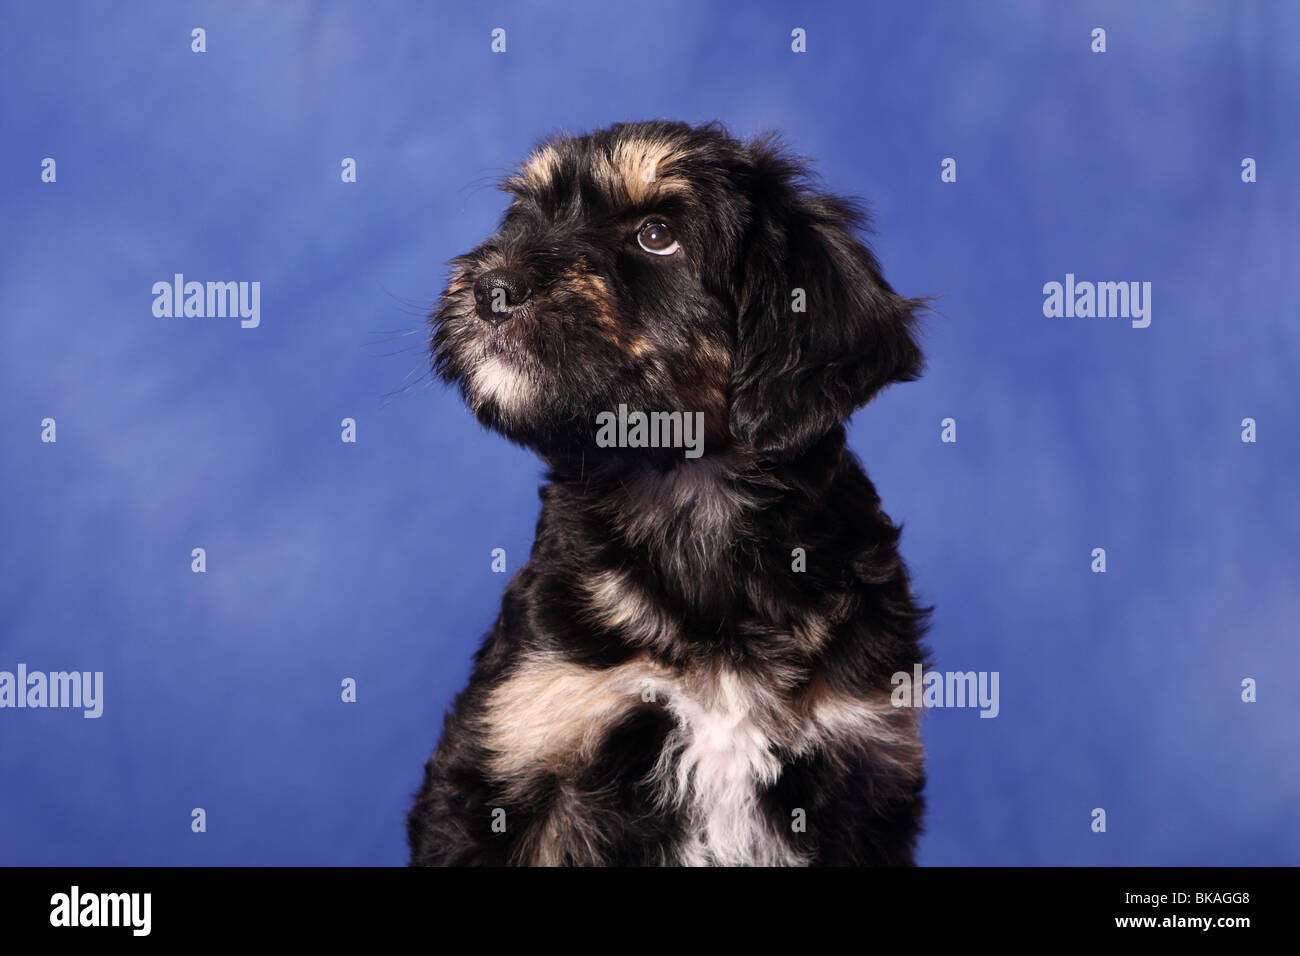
(714, 765)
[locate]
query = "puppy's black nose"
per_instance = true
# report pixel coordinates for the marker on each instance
(498, 293)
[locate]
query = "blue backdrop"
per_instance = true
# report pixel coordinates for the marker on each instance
(328, 560)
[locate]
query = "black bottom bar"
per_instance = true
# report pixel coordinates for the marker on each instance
(641, 908)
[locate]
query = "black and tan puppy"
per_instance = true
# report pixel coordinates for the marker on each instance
(694, 666)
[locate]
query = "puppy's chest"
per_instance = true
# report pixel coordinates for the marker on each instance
(722, 741)
(727, 745)
(552, 726)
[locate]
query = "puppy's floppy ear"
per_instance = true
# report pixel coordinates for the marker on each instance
(797, 374)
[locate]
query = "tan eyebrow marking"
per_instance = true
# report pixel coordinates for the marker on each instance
(538, 170)
(638, 169)
(641, 169)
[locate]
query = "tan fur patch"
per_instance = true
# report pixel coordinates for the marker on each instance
(617, 603)
(861, 722)
(551, 716)
(640, 169)
(555, 713)
(579, 280)
(639, 346)
(540, 168)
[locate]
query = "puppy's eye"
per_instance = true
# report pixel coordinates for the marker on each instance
(657, 238)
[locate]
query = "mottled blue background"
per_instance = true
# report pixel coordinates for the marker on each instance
(371, 561)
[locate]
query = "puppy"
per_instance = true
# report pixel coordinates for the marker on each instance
(694, 666)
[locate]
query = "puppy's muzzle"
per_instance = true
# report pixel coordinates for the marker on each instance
(498, 294)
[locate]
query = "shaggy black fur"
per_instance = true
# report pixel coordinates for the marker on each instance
(681, 574)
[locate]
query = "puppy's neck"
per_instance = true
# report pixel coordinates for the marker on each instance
(701, 526)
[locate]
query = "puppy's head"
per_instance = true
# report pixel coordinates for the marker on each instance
(670, 268)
